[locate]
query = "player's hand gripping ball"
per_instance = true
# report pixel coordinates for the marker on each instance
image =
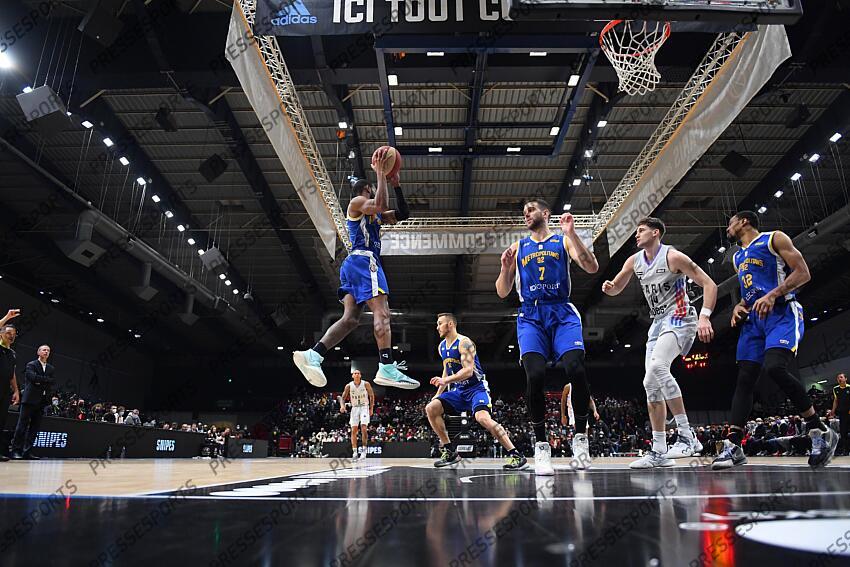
(387, 160)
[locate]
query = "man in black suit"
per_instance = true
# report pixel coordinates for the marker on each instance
(38, 380)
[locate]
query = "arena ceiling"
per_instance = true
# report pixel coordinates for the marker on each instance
(171, 56)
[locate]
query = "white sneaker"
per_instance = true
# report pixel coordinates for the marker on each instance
(355, 455)
(652, 460)
(309, 362)
(543, 459)
(362, 455)
(581, 452)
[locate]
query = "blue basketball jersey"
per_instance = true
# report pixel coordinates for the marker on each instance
(451, 361)
(543, 269)
(365, 233)
(760, 269)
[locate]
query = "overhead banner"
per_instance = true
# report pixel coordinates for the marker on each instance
(742, 76)
(429, 243)
(379, 17)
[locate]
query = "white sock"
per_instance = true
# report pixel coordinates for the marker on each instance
(684, 428)
(659, 442)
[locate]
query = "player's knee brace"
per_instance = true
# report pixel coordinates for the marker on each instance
(659, 384)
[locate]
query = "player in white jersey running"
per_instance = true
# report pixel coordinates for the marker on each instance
(662, 271)
(362, 406)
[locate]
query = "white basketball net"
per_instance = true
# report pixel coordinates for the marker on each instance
(631, 47)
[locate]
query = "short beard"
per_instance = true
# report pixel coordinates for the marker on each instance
(536, 225)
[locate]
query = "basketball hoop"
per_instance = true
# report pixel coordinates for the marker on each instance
(631, 47)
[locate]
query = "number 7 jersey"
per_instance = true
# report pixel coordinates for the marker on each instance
(543, 269)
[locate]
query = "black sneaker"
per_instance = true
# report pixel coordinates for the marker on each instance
(3, 458)
(823, 447)
(730, 456)
(516, 463)
(447, 458)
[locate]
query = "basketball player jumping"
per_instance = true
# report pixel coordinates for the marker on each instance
(362, 280)
(661, 271)
(463, 387)
(362, 406)
(548, 325)
(770, 269)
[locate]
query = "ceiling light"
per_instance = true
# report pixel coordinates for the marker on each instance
(779, 193)
(398, 130)
(345, 358)
(435, 53)
(602, 124)
(514, 149)
(762, 210)
(108, 142)
(154, 198)
(235, 291)
(27, 89)
(588, 153)
(222, 276)
(395, 347)
(813, 319)
(54, 300)
(796, 177)
(573, 80)
(814, 158)
(137, 335)
(200, 252)
(86, 124)
(181, 228)
(99, 320)
(392, 80)
(576, 181)
(169, 214)
(435, 149)
(835, 137)
(711, 260)
(280, 347)
(5, 61)
(351, 155)
(627, 345)
(228, 283)
(568, 206)
(343, 124)
(191, 242)
(538, 54)
(141, 181)
(554, 130)
(337, 348)
(722, 249)
(124, 161)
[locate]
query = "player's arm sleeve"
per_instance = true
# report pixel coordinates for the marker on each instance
(401, 210)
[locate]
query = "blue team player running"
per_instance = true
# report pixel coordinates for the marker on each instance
(548, 325)
(362, 281)
(463, 388)
(770, 269)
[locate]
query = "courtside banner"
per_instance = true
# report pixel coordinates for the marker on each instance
(417, 243)
(379, 17)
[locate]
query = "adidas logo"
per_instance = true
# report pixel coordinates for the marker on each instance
(294, 12)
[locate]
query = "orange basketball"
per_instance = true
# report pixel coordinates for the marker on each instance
(394, 159)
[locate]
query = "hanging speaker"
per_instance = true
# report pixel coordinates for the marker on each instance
(45, 110)
(736, 164)
(101, 25)
(165, 119)
(212, 168)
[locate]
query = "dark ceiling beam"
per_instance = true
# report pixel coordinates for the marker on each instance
(225, 122)
(386, 95)
(598, 109)
(476, 91)
(338, 96)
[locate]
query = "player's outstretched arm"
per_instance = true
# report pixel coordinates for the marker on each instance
(799, 276)
(621, 280)
(508, 272)
(345, 395)
(580, 253)
(682, 264)
(401, 211)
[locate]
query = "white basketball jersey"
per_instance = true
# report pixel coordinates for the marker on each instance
(664, 290)
(359, 395)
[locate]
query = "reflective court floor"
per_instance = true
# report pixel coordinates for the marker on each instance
(390, 512)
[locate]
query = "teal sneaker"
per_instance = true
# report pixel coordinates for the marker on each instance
(309, 362)
(392, 375)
